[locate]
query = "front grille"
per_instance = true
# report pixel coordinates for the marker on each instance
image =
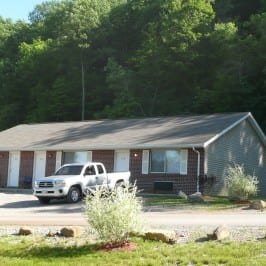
(46, 184)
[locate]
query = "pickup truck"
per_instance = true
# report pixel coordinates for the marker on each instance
(73, 181)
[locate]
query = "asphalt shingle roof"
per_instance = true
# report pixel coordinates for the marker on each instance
(179, 131)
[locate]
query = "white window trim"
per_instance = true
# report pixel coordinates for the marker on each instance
(145, 162)
(183, 161)
(58, 160)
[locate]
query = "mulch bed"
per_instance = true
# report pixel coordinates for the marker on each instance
(122, 246)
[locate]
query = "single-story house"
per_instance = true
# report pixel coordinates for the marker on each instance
(164, 154)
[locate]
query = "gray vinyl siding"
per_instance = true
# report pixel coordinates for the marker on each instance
(240, 145)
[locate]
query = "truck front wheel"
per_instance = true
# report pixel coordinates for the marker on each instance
(74, 195)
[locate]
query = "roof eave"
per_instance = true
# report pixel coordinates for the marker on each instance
(121, 147)
(207, 143)
(257, 129)
(247, 116)
(104, 147)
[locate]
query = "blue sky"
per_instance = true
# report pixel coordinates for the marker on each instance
(17, 9)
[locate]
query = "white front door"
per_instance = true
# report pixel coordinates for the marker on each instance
(121, 161)
(13, 170)
(39, 164)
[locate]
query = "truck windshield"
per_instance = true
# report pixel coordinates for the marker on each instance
(69, 170)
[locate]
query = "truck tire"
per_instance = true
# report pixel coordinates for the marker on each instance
(74, 195)
(44, 200)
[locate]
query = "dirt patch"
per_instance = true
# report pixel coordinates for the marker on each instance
(122, 246)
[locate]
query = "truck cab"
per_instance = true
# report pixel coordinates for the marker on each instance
(72, 181)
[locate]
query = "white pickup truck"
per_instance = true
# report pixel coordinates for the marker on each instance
(72, 182)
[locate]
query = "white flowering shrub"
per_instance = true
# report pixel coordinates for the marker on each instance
(239, 184)
(112, 215)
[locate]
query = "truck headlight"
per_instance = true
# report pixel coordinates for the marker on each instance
(36, 184)
(59, 183)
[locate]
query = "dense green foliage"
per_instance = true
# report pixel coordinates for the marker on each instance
(133, 58)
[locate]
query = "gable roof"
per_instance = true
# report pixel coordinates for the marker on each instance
(159, 132)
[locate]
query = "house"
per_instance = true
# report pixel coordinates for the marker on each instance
(164, 154)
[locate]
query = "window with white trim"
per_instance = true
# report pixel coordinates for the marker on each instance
(168, 161)
(76, 157)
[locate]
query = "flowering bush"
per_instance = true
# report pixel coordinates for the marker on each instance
(112, 215)
(239, 184)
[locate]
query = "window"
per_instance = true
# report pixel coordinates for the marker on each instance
(90, 170)
(165, 161)
(100, 169)
(76, 157)
(70, 170)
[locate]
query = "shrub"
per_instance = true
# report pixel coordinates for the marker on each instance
(239, 184)
(112, 215)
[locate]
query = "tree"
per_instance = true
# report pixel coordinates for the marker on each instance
(12, 98)
(133, 58)
(164, 62)
(237, 10)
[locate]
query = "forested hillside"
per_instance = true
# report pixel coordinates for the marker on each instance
(90, 59)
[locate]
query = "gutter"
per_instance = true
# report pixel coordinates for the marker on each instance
(198, 167)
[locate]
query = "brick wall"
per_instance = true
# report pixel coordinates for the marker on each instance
(186, 183)
(26, 167)
(105, 157)
(4, 158)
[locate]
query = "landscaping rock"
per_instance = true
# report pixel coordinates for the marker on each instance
(220, 233)
(53, 233)
(258, 205)
(169, 238)
(182, 195)
(196, 197)
(25, 231)
(71, 232)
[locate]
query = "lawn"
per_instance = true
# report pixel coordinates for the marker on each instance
(37, 250)
(210, 203)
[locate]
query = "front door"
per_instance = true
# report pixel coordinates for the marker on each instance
(13, 171)
(121, 161)
(39, 164)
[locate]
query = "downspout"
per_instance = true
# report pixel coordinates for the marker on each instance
(198, 167)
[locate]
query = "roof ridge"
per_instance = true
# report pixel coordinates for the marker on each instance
(134, 118)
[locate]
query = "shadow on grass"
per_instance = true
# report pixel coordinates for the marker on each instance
(202, 239)
(47, 252)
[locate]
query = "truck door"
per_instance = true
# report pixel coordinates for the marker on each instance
(101, 175)
(90, 176)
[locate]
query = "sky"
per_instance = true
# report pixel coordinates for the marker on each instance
(17, 9)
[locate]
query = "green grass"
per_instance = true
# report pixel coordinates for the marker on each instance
(211, 203)
(15, 250)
